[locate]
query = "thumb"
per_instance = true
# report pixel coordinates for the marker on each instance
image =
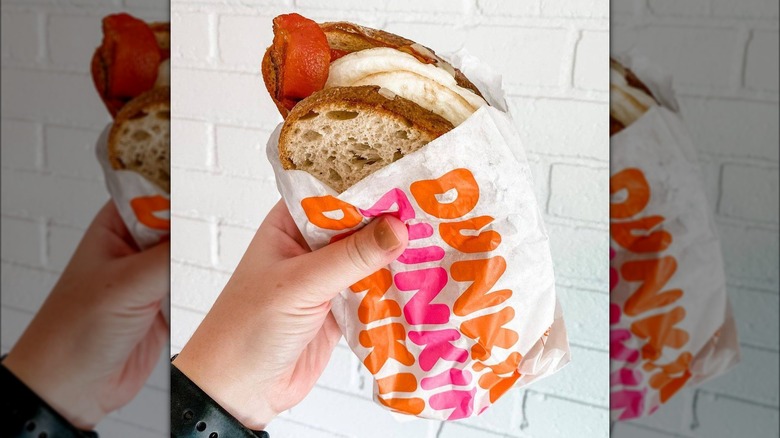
(145, 276)
(322, 274)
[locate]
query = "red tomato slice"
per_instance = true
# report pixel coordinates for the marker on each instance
(132, 55)
(302, 49)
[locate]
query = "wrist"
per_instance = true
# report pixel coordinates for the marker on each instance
(58, 386)
(242, 398)
(25, 413)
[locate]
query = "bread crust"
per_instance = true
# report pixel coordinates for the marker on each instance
(352, 37)
(156, 98)
(363, 98)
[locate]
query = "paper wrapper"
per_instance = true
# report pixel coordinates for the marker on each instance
(469, 309)
(671, 323)
(144, 207)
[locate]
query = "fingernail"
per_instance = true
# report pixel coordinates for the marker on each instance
(385, 236)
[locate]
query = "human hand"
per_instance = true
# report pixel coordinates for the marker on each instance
(96, 339)
(269, 335)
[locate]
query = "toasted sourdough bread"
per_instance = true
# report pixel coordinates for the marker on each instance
(139, 139)
(351, 37)
(340, 135)
(629, 98)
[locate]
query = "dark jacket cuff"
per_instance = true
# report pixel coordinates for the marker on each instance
(195, 414)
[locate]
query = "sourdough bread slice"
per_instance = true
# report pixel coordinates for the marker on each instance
(139, 140)
(340, 135)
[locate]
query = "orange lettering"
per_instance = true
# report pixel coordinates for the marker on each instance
(408, 405)
(636, 236)
(487, 331)
(316, 207)
(387, 342)
(401, 382)
(373, 306)
(485, 241)
(144, 208)
(484, 274)
(659, 331)
(672, 376)
(633, 181)
(654, 274)
(461, 180)
(493, 381)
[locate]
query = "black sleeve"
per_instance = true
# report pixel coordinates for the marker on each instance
(195, 414)
(27, 415)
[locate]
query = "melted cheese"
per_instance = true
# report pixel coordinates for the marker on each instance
(431, 87)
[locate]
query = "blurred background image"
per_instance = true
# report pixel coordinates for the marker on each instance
(52, 183)
(722, 56)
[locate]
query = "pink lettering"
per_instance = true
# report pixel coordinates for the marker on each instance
(397, 197)
(617, 350)
(462, 401)
(419, 231)
(632, 402)
(421, 255)
(428, 282)
(437, 346)
(450, 377)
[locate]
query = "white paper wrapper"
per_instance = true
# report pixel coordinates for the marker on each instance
(671, 323)
(436, 348)
(144, 207)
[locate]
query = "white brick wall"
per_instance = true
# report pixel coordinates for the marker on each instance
(723, 57)
(52, 183)
(553, 56)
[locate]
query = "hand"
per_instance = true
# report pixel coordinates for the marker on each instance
(98, 335)
(269, 335)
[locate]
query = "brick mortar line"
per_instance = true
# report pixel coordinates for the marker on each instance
(717, 394)
(268, 131)
(773, 292)
(743, 160)
(743, 94)
(52, 173)
(652, 429)
(17, 309)
(581, 288)
(39, 68)
(576, 224)
(44, 269)
(57, 123)
(86, 10)
(733, 283)
(746, 223)
(578, 160)
(190, 263)
(713, 22)
(568, 399)
(751, 346)
(222, 172)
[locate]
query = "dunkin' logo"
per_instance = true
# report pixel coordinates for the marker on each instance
(448, 198)
(651, 309)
